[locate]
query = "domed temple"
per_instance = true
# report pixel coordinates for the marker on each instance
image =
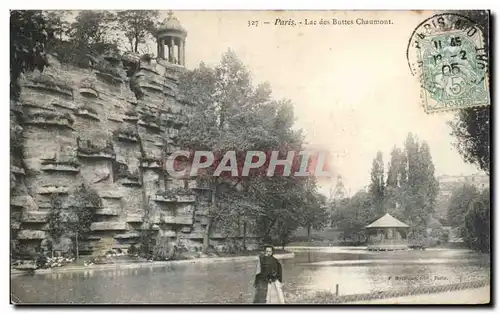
(172, 36)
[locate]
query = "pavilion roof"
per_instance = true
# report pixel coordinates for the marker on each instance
(387, 221)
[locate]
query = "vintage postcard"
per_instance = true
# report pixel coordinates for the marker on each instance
(244, 157)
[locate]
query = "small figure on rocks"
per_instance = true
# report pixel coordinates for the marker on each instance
(268, 279)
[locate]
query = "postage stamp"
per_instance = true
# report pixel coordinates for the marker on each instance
(449, 54)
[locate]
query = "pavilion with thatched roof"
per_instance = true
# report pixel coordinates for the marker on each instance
(387, 234)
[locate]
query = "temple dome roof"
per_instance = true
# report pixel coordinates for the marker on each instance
(171, 25)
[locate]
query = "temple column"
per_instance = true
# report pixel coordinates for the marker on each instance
(171, 50)
(179, 53)
(162, 48)
(158, 48)
(182, 54)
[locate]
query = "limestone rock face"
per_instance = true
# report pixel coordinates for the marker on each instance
(34, 217)
(108, 225)
(112, 133)
(31, 235)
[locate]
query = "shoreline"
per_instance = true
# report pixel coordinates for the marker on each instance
(395, 295)
(15, 272)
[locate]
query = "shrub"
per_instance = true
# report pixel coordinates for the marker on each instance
(87, 147)
(41, 261)
(132, 251)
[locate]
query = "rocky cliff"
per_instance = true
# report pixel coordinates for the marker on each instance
(108, 128)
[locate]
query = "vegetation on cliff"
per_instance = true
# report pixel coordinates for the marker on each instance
(75, 221)
(30, 33)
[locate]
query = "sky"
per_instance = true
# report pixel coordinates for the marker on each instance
(351, 86)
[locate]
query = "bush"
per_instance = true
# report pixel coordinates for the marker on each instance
(41, 261)
(87, 147)
(132, 251)
(148, 242)
(476, 229)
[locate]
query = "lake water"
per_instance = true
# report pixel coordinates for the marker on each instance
(312, 270)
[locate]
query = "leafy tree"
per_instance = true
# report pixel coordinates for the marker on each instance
(421, 188)
(136, 25)
(377, 185)
(476, 232)
(472, 129)
(55, 218)
(411, 152)
(459, 204)
(354, 214)
(81, 214)
(282, 201)
(393, 178)
(396, 183)
(58, 23)
(214, 93)
(89, 35)
(472, 126)
(229, 114)
(314, 215)
(429, 185)
(29, 35)
(92, 27)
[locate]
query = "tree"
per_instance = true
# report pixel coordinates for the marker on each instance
(136, 25)
(229, 114)
(419, 190)
(476, 232)
(314, 213)
(377, 184)
(56, 20)
(393, 170)
(282, 201)
(354, 214)
(92, 27)
(89, 35)
(472, 126)
(221, 120)
(29, 35)
(411, 152)
(472, 129)
(55, 219)
(396, 183)
(429, 186)
(81, 214)
(459, 204)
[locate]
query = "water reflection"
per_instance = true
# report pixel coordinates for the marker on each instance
(231, 282)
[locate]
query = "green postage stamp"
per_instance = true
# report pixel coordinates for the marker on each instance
(449, 54)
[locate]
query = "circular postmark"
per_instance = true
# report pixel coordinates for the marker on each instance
(447, 52)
